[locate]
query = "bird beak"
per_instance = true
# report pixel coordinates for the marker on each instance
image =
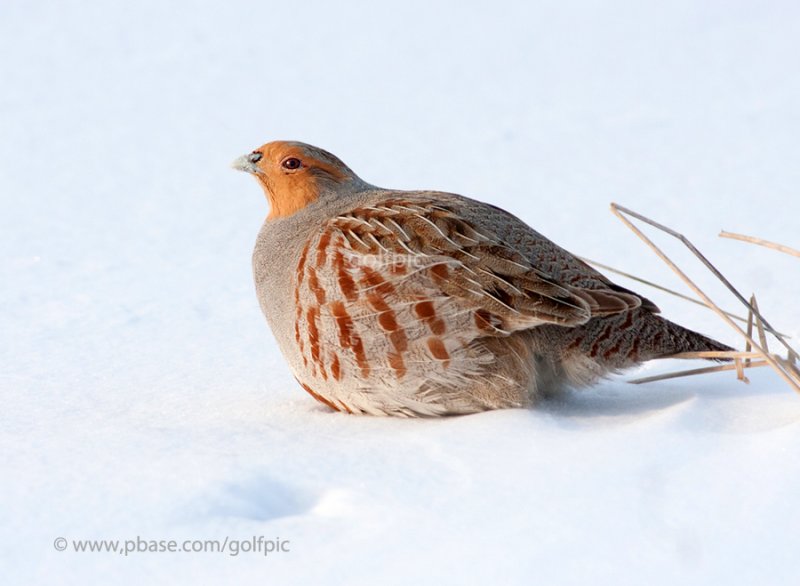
(247, 163)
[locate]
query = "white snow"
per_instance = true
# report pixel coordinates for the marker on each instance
(143, 395)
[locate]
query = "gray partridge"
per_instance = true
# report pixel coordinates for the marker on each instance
(422, 303)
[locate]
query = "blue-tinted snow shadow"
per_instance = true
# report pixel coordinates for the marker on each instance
(615, 399)
(717, 396)
(260, 498)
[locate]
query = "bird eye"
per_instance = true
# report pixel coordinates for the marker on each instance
(291, 163)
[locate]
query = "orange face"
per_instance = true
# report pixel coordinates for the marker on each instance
(292, 174)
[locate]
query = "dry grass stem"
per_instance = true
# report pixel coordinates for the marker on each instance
(760, 242)
(655, 286)
(706, 370)
(785, 368)
(599, 265)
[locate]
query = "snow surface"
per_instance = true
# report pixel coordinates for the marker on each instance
(143, 395)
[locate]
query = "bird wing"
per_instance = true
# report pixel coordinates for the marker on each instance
(559, 264)
(427, 241)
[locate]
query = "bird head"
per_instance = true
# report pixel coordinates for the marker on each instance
(294, 174)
